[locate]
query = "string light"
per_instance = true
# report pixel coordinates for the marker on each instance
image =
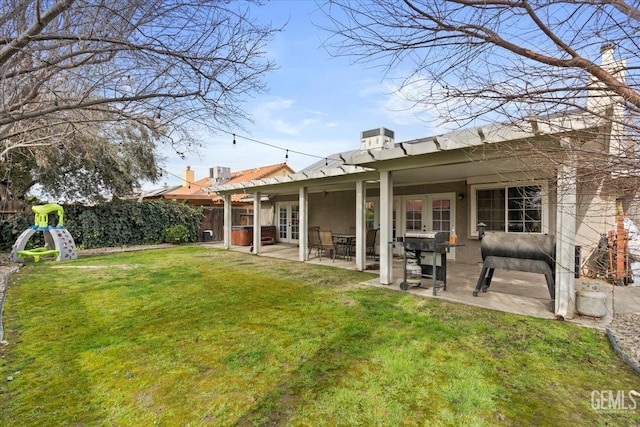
(286, 156)
(189, 184)
(182, 156)
(266, 144)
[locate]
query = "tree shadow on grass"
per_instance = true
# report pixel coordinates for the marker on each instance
(322, 370)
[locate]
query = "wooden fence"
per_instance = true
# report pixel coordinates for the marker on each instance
(213, 220)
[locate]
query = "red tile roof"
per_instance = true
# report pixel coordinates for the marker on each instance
(197, 190)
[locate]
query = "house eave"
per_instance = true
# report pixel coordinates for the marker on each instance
(521, 130)
(293, 181)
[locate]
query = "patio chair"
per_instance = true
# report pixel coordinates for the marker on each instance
(327, 244)
(314, 241)
(372, 233)
(370, 244)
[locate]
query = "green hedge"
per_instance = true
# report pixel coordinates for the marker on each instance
(117, 223)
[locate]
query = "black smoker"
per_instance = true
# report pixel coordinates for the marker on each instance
(534, 253)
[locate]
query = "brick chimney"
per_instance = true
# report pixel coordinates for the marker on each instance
(188, 177)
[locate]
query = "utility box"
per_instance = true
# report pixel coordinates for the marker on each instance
(376, 139)
(219, 174)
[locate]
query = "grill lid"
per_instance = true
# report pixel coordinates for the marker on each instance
(437, 236)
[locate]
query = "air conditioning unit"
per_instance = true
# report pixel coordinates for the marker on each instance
(376, 139)
(219, 174)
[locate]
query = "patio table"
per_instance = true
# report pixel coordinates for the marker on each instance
(347, 241)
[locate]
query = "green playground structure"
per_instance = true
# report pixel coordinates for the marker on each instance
(58, 240)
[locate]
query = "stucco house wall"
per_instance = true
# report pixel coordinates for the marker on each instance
(333, 211)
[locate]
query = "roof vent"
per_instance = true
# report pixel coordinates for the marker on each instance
(376, 138)
(219, 174)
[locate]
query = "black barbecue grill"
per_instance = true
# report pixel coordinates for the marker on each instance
(534, 253)
(431, 242)
(424, 241)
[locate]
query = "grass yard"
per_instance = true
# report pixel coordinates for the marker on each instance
(191, 336)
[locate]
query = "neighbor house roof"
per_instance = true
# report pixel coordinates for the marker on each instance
(199, 189)
(156, 193)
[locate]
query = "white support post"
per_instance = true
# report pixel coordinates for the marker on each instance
(257, 223)
(566, 236)
(386, 228)
(303, 230)
(361, 225)
(226, 228)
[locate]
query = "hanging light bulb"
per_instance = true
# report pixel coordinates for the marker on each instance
(326, 162)
(234, 139)
(286, 156)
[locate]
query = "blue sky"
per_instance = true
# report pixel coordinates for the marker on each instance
(315, 103)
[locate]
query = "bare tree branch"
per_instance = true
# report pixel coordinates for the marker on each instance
(70, 67)
(41, 21)
(465, 53)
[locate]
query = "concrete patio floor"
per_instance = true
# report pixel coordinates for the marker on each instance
(510, 291)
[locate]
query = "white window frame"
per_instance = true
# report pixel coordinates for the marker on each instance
(473, 226)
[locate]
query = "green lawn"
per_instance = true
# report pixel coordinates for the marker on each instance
(191, 336)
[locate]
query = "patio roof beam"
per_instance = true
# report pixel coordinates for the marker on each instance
(487, 135)
(441, 158)
(291, 187)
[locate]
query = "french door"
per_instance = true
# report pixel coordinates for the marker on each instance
(425, 212)
(288, 222)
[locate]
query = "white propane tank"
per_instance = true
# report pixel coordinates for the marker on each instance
(414, 272)
(591, 301)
